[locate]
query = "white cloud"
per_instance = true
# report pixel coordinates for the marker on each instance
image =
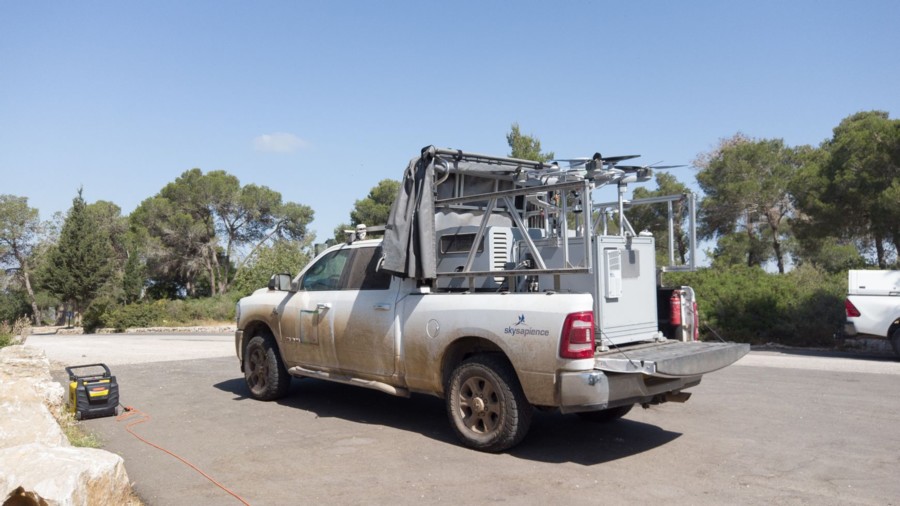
(279, 142)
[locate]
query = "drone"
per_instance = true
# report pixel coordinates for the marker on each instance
(603, 170)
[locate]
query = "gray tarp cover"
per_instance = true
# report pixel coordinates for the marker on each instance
(408, 246)
(409, 236)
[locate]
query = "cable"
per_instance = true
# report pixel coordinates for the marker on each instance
(131, 412)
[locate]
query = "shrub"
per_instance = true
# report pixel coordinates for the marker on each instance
(9, 331)
(160, 313)
(801, 308)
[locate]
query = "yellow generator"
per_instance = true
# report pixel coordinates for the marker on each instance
(92, 395)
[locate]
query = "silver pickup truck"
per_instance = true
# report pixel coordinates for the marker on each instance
(485, 291)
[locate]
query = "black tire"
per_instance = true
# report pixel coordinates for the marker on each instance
(895, 342)
(486, 405)
(605, 415)
(266, 376)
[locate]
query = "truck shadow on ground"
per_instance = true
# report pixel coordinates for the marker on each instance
(553, 438)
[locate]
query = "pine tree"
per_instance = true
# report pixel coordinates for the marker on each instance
(80, 263)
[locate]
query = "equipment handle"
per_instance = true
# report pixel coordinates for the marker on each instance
(73, 376)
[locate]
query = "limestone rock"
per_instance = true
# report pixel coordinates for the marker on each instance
(64, 476)
(31, 364)
(25, 418)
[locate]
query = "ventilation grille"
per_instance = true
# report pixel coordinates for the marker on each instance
(500, 247)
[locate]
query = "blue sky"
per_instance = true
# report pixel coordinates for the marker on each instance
(321, 100)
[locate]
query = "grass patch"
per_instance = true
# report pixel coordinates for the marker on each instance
(77, 436)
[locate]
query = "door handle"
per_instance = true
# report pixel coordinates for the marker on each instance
(323, 306)
(382, 306)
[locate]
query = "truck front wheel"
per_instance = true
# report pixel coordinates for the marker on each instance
(266, 376)
(486, 405)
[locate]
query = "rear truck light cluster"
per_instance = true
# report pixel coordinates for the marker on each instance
(696, 322)
(851, 310)
(577, 339)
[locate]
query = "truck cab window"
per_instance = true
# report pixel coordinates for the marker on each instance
(326, 273)
(364, 273)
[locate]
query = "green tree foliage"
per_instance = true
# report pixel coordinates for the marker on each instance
(82, 261)
(193, 228)
(282, 256)
(376, 207)
(654, 217)
(746, 182)
(372, 210)
(852, 189)
(19, 231)
(526, 147)
(14, 301)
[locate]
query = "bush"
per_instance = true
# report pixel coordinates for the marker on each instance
(801, 308)
(13, 305)
(9, 331)
(160, 313)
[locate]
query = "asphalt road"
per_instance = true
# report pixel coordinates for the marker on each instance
(776, 428)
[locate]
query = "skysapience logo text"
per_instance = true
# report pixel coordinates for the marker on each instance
(523, 329)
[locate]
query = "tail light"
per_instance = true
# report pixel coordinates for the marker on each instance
(696, 322)
(577, 339)
(851, 310)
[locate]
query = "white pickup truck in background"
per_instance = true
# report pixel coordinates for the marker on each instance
(873, 306)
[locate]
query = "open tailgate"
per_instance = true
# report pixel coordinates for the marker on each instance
(671, 359)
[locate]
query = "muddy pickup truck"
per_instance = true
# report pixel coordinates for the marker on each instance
(494, 288)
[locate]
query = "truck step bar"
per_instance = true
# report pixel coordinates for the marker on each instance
(349, 380)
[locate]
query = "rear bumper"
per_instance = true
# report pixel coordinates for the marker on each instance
(596, 390)
(649, 373)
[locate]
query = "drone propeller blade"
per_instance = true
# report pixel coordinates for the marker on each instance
(617, 159)
(654, 167)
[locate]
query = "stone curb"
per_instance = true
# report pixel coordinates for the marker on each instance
(37, 463)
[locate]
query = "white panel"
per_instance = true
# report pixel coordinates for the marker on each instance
(613, 288)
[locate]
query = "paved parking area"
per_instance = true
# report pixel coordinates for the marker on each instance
(777, 428)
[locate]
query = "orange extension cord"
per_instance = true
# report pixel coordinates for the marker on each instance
(141, 417)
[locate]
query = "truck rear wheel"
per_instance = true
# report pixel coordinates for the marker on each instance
(605, 415)
(266, 376)
(486, 405)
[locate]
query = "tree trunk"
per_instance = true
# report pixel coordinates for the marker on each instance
(879, 251)
(895, 239)
(776, 245)
(751, 260)
(35, 311)
(213, 287)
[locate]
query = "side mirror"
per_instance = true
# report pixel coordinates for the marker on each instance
(280, 282)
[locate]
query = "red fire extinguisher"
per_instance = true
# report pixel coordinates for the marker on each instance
(675, 308)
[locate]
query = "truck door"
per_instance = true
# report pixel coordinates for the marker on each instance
(365, 338)
(307, 320)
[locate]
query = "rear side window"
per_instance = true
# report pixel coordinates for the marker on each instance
(364, 273)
